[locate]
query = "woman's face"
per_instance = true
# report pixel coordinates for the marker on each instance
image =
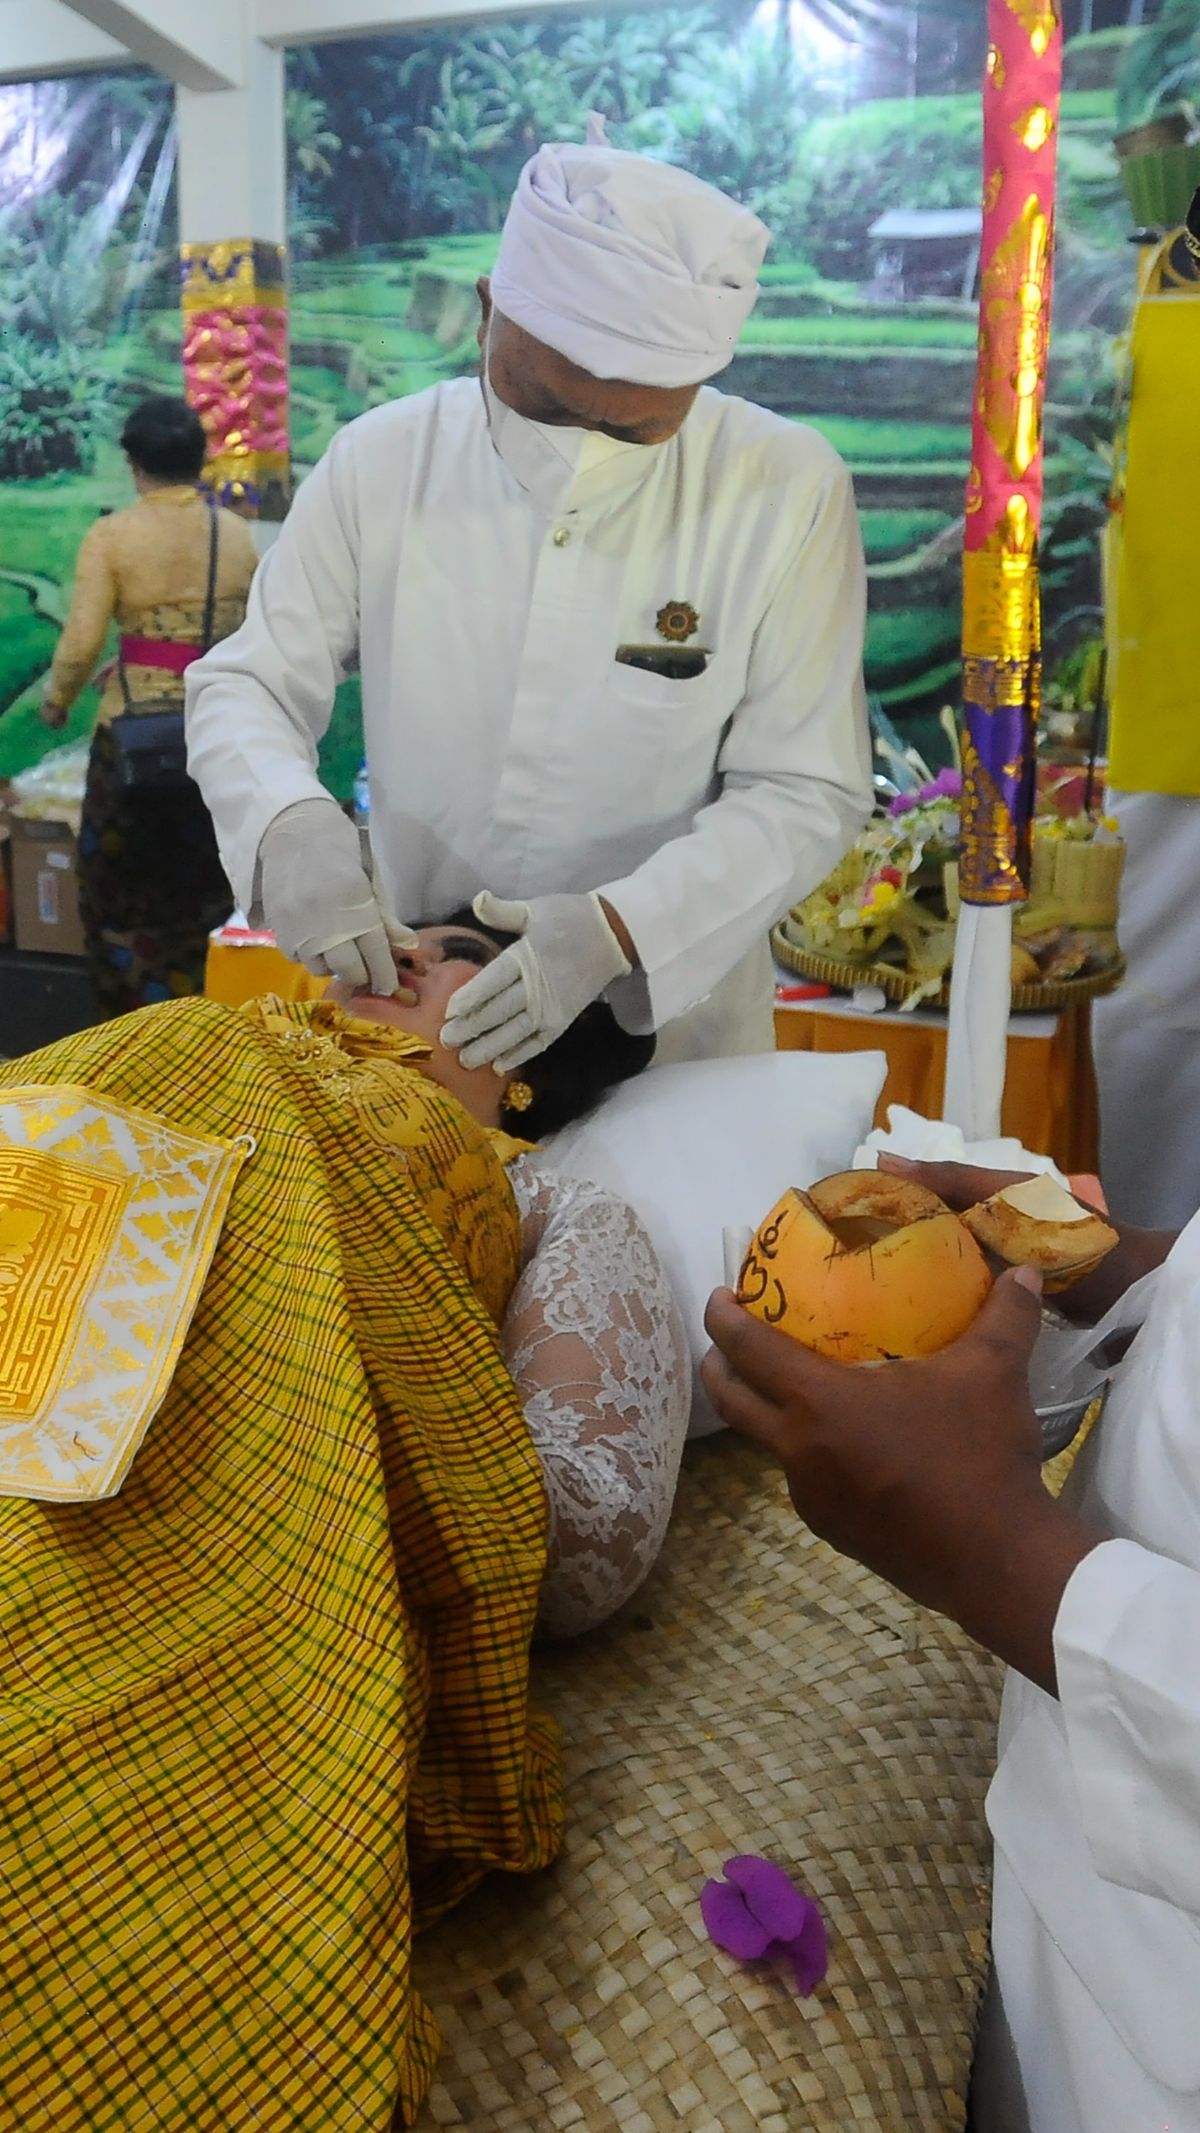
(448, 957)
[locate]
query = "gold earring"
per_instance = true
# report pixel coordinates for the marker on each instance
(518, 1096)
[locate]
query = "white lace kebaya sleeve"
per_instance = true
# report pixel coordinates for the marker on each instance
(596, 1346)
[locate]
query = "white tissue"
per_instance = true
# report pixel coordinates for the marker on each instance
(868, 999)
(931, 1140)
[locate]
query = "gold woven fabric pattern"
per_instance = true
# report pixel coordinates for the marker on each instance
(271, 1702)
(108, 1223)
(760, 1694)
(56, 1222)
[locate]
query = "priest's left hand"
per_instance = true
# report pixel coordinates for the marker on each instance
(928, 1472)
(566, 955)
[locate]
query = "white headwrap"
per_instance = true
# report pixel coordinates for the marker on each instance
(630, 268)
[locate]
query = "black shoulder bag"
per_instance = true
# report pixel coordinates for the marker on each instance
(149, 746)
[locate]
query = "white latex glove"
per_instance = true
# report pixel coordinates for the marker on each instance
(566, 956)
(318, 902)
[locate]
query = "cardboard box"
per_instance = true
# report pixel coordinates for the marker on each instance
(45, 890)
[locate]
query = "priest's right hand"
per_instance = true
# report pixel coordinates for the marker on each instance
(318, 901)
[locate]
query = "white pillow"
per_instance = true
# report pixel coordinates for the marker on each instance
(709, 1145)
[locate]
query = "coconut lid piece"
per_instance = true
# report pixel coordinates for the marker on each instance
(1037, 1223)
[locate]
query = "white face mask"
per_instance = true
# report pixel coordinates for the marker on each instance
(540, 456)
(597, 450)
(547, 458)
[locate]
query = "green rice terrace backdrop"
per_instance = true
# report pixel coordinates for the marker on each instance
(852, 126)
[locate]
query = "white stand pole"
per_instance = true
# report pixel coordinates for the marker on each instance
(980, 1003)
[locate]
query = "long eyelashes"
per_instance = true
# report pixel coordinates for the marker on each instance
(460, 948)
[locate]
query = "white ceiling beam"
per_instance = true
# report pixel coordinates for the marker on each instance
(232, 169)
(285, 22)
(41, 38)
(196, 46)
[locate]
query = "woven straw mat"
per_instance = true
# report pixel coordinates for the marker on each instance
(760, 1694)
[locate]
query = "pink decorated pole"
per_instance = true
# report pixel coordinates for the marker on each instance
(235, 365)
(1001, 612)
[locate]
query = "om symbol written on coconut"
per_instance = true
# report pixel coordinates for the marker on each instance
(865, 1268)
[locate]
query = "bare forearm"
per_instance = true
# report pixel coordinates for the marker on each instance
(1010, 1584)
(69, 673)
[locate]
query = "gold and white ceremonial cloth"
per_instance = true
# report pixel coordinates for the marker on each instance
(109, 1218)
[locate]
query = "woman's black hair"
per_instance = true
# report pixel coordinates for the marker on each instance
(572, 1074)
(165, 438)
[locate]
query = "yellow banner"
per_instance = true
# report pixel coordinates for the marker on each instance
(1154, 632)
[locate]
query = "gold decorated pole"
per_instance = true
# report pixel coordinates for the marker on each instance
(1001, 613)
(235, 366)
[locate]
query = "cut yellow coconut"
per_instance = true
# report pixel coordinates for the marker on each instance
(865, 1267)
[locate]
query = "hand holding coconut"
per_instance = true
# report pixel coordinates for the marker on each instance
(926, 1467)
(871, 1266)
(928, 1471)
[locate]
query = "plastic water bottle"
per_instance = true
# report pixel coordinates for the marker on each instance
(362, 813)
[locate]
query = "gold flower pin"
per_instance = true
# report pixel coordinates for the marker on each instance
(677, 621)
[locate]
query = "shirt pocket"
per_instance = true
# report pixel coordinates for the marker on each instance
(671, 729)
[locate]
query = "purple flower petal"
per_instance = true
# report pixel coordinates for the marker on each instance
(771, 1894)
(758, 1911)
(902, 803)
(809, 1951)
(730, 1923)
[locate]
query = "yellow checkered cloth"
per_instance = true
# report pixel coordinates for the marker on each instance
(270, 1703)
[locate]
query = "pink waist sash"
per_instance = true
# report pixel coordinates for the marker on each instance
(158, 652)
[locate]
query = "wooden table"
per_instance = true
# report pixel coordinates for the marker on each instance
(1049, 1095)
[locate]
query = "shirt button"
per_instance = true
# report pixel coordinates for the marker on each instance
(562, 536)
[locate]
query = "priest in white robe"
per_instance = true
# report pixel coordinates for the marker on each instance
(609, 626)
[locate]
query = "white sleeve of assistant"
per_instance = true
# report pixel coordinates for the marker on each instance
(1125, 1646)
(259, 702)
(595, 1344)
(795, 773)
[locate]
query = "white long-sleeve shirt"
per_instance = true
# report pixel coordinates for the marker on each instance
(1095, 1806)
(507, 746)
